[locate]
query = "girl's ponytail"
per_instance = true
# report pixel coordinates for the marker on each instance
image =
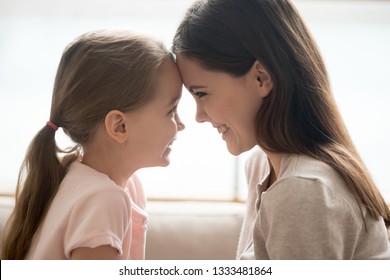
(39, 178)
(99, 71)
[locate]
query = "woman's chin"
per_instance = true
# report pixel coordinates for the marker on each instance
(236, 151)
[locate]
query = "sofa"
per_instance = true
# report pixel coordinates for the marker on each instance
(183, 230)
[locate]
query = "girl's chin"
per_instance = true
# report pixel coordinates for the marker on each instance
(161, 161)
(165, 161)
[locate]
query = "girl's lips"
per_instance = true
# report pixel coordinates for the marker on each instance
(168, 149)
(170, 144)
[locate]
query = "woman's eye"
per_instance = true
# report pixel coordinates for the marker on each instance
(200, 94)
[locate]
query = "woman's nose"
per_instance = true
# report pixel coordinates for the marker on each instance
(201, 115)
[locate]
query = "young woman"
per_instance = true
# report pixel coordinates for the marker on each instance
(115, 95)
(257, 76)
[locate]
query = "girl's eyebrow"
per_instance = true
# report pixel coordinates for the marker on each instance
(174, 99)
(193, 87)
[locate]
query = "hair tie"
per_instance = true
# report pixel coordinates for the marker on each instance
(52, 125)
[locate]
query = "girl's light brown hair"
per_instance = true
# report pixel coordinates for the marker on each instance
(99, 71)
(300, 115)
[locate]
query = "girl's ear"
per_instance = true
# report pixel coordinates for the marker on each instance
(116, 126)
(261, 78)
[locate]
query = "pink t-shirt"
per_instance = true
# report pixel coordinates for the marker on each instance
(90, 210)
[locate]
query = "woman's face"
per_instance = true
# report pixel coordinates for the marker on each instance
(229, 103)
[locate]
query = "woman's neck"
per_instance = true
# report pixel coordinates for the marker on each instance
(275, 161)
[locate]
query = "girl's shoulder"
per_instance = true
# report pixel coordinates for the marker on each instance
(83, 184)
(136, 191)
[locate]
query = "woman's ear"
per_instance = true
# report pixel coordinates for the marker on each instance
(262, 79)
(116, 126)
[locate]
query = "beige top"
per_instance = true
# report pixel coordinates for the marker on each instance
(308, 213)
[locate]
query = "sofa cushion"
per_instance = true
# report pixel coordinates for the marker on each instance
(193, 230)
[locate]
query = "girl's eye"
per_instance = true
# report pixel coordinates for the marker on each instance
(173, 110)
(200, 94)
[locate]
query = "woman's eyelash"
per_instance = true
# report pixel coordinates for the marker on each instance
(199, 94)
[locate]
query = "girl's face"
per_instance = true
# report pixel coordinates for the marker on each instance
(154, 126)
(229, 103)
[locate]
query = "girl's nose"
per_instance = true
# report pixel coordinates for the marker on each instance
(180, 124)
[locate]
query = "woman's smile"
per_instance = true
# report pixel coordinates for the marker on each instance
(223, 130)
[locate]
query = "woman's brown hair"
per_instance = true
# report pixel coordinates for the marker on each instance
(99, 71)
(300, 114)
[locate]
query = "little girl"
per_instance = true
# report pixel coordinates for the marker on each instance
(115, 95)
